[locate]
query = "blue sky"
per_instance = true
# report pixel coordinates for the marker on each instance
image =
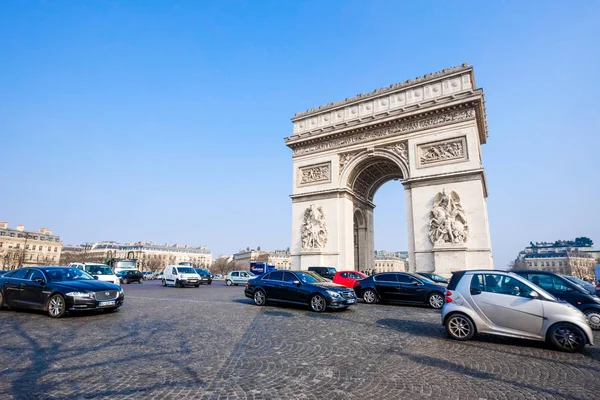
(164, 121)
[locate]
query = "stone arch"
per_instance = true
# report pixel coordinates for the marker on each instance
(427, 133)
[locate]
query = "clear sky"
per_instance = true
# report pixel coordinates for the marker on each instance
(164, 120)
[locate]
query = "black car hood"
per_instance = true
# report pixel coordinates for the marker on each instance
(87, 285)
(330, 285)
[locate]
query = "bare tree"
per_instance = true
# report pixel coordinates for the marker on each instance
(222, 266)
(517, 265)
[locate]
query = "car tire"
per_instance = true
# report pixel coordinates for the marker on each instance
(459, 327)
(566, 337)
(178, 284)
(198, 285)
(369, 296)
(593, 317)
(126, 281)
(210, 282)
(260, 298)
(1, 301)
(228, 282)
(164, 283)
(140, 281)
(435, 300)
(57, 306)
(318, 303)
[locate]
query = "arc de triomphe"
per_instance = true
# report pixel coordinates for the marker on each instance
(427, 133)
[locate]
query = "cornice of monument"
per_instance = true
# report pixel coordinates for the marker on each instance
(411, 99)
(377, 92)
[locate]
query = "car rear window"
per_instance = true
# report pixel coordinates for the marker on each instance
(456, 276)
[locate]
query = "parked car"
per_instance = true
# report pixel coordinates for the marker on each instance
(159, 276)
(238, 278)
(507, 304)
(595, 290)
(440, 280)
(100, 271)
(348, 278)
(299, 287)
(180, 276)
(205, 276)
(130, 275)
(3, 272)
(566, 290)
(325, 272)
(400, 287)
(57, 290)
(218, 276)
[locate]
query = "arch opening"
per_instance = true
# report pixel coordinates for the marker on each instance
(370, 174)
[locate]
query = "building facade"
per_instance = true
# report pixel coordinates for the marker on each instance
(280, 258)
(149, 256)
(19, 247)
(575, 258)
(391, 261)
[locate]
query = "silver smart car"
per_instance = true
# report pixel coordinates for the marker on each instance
(503, 303)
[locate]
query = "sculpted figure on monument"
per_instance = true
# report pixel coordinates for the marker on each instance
(314, 228)
(447, 220)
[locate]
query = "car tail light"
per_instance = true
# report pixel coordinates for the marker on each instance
(448, 296)
(598, 288)
(248, 284)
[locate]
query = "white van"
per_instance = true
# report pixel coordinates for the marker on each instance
(100, 271)
(180, 276)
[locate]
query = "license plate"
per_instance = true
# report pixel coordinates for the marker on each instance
(351, 301)
(107, 303)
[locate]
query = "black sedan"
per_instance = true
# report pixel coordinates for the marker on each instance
(299, 287)
(57, 290)
(440, 280)
(205, 276)
(130, 275)
(400, 287)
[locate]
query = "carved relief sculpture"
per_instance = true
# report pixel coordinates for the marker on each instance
(442, 151)
(345, 159)
(314, 228)
(315, 174)
(401, 149)
(447, 220)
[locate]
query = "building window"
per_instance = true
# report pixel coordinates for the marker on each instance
(26, 247)
(553, 263)
(18, 246)
(31, 257)
(49, 248)
(1, 243)
(55, 249)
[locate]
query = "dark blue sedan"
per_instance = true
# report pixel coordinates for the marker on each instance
(299, 287)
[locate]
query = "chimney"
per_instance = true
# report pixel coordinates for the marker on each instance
(48, 232)
(20, 228)
(3, 225)
(42, 230)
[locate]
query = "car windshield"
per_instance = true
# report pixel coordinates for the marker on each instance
(129, 264)
(583, 284)
(98, 269)
(67, 274)
(201, 271)
(437, 278)
(331, 270)
(184, 270)
(309, 277)
(424, 279)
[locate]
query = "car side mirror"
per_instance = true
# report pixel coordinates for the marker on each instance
(415, 283)
(40, 281)
(96, 277)
(297, 283)
(534, 294)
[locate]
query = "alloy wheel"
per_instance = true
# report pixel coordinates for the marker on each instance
(459, 327)
(259, 298)
(436, 301)
(593, 317)
(56, 306)
(318, 303)
(228, 282)
(568, 338)
(369, 296)
(1, 301)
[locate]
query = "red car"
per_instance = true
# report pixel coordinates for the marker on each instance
(348, 278)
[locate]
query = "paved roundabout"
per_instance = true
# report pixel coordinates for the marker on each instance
(213, 343)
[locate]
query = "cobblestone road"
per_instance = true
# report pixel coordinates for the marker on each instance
(212, 343)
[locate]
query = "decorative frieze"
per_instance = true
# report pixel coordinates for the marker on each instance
(451, 150)
(447, 219)
(315, 174)
(314, 228)
(395, 129)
